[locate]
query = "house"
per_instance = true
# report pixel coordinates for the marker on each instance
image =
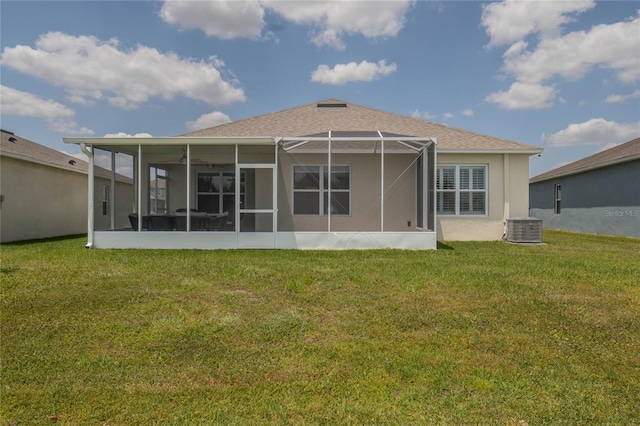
(599, 194)
(43, 192)
(326, 175)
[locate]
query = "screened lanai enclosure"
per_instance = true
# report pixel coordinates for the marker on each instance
(336, 190)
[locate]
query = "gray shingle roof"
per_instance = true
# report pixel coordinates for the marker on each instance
(15, 146)
(310, 119)
(618, 154)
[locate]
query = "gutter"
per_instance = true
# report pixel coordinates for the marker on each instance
(90, 196)
(490, 151)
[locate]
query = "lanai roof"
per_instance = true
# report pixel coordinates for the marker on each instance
(339, 116)
(618, 154)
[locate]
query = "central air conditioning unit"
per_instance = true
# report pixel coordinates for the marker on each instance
(524, 230)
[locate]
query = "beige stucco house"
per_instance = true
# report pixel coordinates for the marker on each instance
(43, 192)
(326, 175)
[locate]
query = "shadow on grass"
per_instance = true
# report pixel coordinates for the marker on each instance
(443, 246)
(44, 240)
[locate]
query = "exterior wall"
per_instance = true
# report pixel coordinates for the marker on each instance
(400, 193)
(518, 186)
(43, 202)
(602, 201)
(504, 201)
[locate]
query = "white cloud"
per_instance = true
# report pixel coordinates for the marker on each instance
(422, 115)
(512, 20)
(468, 112)
(69, 126)
(127, 135)
(447, 116)
(328, 21)
(225, 19)
(614, 46)
(208, 120)
(596, 131)
(571, 56)
(621, 98)
(59, 118)
(91, 69)
(345, 73)
(524, 96)
(16, 102)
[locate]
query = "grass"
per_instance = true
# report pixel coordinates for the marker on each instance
(474, 333)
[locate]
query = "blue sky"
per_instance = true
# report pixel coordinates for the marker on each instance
(562, 75)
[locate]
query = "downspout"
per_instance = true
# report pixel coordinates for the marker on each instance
(139, 188)
(112, 192)
(506, 177)
(434, 200)
(329, 183)
(381, 181)
(275, 195)
(90, 195)
(237, 196)
(188, 187)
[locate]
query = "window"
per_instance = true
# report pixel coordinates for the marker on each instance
(105, 200)
(311, 190)
(557, 207)
(157, 190)
(462, 190)
(216, 191)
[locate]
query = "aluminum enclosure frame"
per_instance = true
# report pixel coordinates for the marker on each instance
(329, 239)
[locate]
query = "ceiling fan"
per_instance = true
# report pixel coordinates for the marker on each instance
(183, 159)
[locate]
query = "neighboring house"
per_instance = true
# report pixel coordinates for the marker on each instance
(599, 194)
(43, 192)
(325, 175)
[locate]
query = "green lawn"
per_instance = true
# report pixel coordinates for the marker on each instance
(473, 333)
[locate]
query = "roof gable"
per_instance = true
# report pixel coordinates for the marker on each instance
(339, 116)
(622, 153)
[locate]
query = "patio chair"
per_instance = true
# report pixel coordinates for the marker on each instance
(221, 221)
(198, 220)
(181, 222)
(133, 220)
(161, 223)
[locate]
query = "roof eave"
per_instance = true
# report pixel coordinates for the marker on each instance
(535, 179)
(173, 140)
(533, 151)
(119, 178)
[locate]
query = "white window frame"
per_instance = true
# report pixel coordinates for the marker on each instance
(154, 208)
(221, 192)
(105, 200)
(557, 196)
(321, 190)
(458, 190)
